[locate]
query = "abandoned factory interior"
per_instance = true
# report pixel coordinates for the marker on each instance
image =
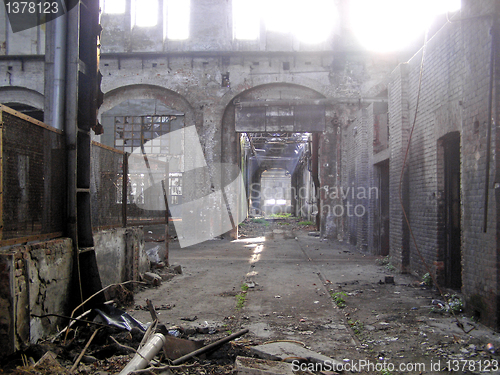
(264, 173)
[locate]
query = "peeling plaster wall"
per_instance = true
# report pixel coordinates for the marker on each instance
(120, 254)
(34, 279)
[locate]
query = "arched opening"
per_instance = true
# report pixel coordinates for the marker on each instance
(275, 125)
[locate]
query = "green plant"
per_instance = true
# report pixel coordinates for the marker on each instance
(240, 300)
(385, 372)
(386, 262)
(260, 221)
(338, 298)
(280, 216)
(244, 287)
(305, 223)
(356, 326)
(427, 279)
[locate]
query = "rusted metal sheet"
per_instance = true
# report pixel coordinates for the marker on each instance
(279, 119)
(309, 118)
(250, 119)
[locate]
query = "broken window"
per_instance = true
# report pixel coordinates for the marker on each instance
(132, 132)
(176, 17)
(175, 187)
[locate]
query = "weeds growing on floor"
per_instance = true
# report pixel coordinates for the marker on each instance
(260, 221)
(241, 297)
(387, 263)
(305, 223)
(357, 326)
(338, 298)
(280, 216)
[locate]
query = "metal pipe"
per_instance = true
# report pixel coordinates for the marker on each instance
(145, 354)
(490, 122)
(58, 97)
(315, 176)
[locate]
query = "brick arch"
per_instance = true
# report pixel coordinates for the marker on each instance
(169, 98)
(21, 95)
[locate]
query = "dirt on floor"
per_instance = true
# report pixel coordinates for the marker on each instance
(352, 307)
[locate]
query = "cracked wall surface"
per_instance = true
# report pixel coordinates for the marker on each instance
(34, 279)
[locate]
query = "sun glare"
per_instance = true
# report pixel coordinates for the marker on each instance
(113, 6)
(246, 20)
(146, 13)
(310, 22)
(177, 19)
(389, 25)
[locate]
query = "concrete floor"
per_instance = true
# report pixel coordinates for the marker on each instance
(293, 274)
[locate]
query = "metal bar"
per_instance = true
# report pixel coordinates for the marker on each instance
(214, 54)
(315, 177)
(144, 222)
(124, 190)
(209, 347)
(38, 237)
(13, 112)
(332, 101)
(488, 135)
(107, 147)
(1, 173)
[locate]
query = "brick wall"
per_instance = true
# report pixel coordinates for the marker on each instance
(454, 98)
(398, 130)
(480, 270)
(359, 180)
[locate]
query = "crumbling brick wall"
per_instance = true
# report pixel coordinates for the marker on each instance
(34, 279)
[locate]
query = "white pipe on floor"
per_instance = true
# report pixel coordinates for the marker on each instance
(145, 354)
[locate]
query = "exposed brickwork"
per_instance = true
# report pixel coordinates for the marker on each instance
(398, 130)
(34, 279)
(480, 268)
(454, 98)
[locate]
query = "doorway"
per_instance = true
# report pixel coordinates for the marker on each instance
(452, 211)
(381, 222)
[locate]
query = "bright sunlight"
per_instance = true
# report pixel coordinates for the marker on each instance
(146, 13)
(390, 25)
(311, 21)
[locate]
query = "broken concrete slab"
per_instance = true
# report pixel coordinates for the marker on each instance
(255, 366)
(285, 350)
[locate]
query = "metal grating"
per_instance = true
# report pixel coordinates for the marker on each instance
(107, 170)
(106, 174)
(33, 178)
